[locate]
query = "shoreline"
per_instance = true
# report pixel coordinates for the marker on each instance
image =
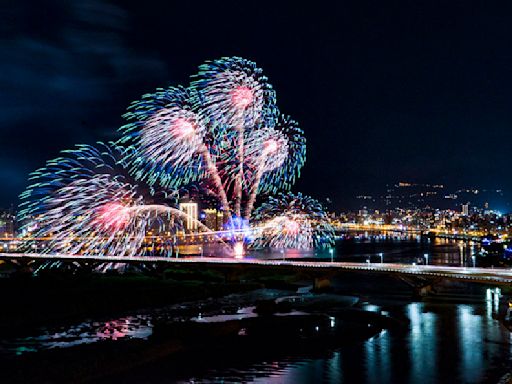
(99, 361)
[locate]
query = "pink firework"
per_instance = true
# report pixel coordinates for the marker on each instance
(242, 97)
(291, 227)
(182, 128)
(233, 91)
(293, 221)
(266, 149)
(271, 146)
(166, 135)
(114, 216)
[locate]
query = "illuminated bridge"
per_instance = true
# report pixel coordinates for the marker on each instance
(429, 273)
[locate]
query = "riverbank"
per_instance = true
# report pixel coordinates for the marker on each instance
(29, 302)
(174, 344)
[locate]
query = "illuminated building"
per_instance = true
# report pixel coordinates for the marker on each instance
(465, 209)
(213, 219)
(191, 220)
(7, 224)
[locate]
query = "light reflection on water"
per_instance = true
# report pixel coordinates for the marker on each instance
(443, 342)
(395, 248)
(377, 350)
(242, 313)
(452, 343)
(136, 326)
(87, 332)
(422, 341)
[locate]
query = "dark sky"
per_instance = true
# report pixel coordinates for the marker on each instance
(385, 91)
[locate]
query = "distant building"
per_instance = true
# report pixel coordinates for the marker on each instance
(7, 224)
(213, 219)
(414, 196)
(191, 220)
(465, 209)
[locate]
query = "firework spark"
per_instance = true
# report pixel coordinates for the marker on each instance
(277, 156)
(234, 92)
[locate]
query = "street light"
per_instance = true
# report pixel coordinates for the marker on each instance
(381, 257)
(331, 251)
(368, 261)
(282, 254)
(426, 258)
(474, 259)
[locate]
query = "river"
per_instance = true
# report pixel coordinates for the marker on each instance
(440, 342)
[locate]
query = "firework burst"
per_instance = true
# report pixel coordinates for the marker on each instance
(234, 96)
(276, 156)
(223, 135)
(165, 138)
(233, 92)
(82, 204)
(223, 132)
(292, 221)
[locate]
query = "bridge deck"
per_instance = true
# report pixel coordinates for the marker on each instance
(493, 275)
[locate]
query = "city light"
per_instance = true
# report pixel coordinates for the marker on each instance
(238, 250)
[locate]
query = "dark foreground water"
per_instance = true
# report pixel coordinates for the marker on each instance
(437, 343)
(456, 341)
(444, 343)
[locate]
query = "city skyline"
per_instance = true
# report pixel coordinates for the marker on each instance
(413, 102)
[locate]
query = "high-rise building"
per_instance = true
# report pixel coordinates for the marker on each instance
(214, 219)
(465, 209)
(191, 220)
(222, 219)
(7, 224)
(209, 217)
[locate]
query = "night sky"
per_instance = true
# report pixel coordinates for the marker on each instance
(418, 90)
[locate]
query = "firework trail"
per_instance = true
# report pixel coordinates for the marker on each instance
(293, 221)
(234, 93)
(276, 154)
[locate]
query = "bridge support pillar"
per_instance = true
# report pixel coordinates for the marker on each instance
(421, 286)
(424, 291)
(321, 283)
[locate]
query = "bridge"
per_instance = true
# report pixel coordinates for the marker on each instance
(429, 273)
(472, 235)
